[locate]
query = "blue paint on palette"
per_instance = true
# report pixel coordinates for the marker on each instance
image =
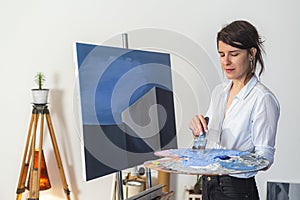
(207, 157)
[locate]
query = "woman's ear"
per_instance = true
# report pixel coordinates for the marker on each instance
(253, 51)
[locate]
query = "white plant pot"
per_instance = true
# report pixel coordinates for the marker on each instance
(40, 96)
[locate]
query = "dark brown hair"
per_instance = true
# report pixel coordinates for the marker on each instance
(243, 35)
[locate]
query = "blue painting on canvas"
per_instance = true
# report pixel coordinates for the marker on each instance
(119, 88)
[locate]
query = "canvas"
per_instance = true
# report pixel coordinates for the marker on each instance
(283, 191)
(126, 106)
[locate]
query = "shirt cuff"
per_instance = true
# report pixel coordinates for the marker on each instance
(266, 152)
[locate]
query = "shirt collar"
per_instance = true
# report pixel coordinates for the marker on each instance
(245, 90)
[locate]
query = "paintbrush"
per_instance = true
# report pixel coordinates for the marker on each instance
(200, 141)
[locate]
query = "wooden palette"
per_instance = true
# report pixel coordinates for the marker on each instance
(207, 162)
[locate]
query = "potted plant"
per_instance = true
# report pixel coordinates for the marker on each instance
(40, 95)
(198, 185)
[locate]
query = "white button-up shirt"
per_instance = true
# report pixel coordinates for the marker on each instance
(250, 123)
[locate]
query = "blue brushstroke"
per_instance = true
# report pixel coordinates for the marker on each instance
(100, 70)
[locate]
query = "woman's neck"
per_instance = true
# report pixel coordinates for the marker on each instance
(237, 85)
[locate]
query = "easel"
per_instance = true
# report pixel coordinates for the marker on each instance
(40, 111)
(119, 178)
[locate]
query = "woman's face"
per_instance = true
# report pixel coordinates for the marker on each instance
(235, 62)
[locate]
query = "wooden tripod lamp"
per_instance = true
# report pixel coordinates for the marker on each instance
(34, 169)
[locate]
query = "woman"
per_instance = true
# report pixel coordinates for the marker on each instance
(243, 113)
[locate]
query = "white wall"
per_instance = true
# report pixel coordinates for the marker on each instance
(38, 36)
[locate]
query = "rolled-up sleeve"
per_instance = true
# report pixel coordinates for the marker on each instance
(264, 126)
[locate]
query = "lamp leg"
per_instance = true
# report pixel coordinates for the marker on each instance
(57, 155)
(24, 167)
(36, 172)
